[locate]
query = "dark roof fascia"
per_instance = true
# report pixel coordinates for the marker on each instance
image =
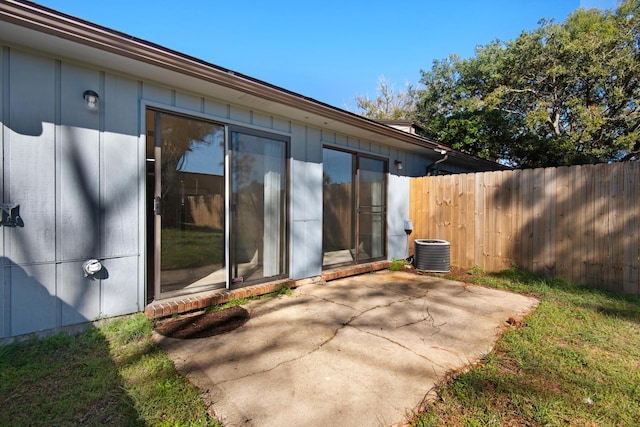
(42, 19)
(401, 122)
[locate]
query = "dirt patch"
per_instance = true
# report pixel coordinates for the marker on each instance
(203, 325)
(455, 273)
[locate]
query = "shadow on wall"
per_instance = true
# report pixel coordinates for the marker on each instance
(31, 306)
(85, 213)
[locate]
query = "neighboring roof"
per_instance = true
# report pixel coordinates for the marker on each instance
(26, 23)
(408, 123)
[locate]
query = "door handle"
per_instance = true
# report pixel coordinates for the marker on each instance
(157, 204)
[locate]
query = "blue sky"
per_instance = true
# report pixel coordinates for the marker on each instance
(329, 50)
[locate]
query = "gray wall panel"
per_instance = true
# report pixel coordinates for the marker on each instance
(119, 175)
(344, 141)
(34, 306)
(74, 81)
(313, 188)
(281, 124)
(4, 89)
(306, 183)
(188, 101)
(152, 92)
(306, 203)
(397, 213)
(217, 109)
(78, 226)
(328, 136)
(120, 105)
(5, 299)
(120, 290)
(262, 120)
(79, 295)
(314, 148)
(120, 195)
(298, 142)
(240, 114)
(29, 157)
(306, 253)
(306, 174)
(352, 143)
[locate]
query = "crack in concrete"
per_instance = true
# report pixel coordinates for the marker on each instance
(428, 318)
(328, 340)
(331, 301)
(400, 345)
(391, 290)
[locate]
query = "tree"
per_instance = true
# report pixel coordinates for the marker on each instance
(388, 104)
(560, 94)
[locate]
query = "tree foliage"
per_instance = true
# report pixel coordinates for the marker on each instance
(561, 94)
(388, 104)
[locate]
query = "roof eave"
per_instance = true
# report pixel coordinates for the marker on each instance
(45, 20)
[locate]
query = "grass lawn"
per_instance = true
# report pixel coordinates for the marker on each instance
(110, 375)
(574, 361)
(191, 248)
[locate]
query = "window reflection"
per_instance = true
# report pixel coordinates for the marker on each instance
(258, 207)
(192, 249)
(338, 207)
(354, 210)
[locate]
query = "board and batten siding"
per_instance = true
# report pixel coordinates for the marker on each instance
(75, 175)
(79, 178)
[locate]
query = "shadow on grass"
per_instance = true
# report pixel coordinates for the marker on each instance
(597, 300)
(112, 374)
(63, 380)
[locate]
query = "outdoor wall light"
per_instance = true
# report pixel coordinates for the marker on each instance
(399, 165)
(92, 99)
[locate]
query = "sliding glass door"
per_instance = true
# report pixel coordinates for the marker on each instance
(338, 208)
(185, 175)
(354, 208)
(200, 237)
(372, 209)
(258, 206)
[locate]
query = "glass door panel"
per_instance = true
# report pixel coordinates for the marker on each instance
(354, 208)
(189, 198)
(258, 206)
(338, 225)
(371, 210)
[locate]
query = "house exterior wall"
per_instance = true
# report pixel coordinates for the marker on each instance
(75, 175)
(79, 178)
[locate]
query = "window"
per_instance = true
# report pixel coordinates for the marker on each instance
(354, 207)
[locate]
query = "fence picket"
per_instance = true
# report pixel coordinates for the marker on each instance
(580, 222)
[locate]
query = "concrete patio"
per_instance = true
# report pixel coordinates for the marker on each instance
(358, 351)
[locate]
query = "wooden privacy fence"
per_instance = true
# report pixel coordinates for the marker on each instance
(579, 222)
